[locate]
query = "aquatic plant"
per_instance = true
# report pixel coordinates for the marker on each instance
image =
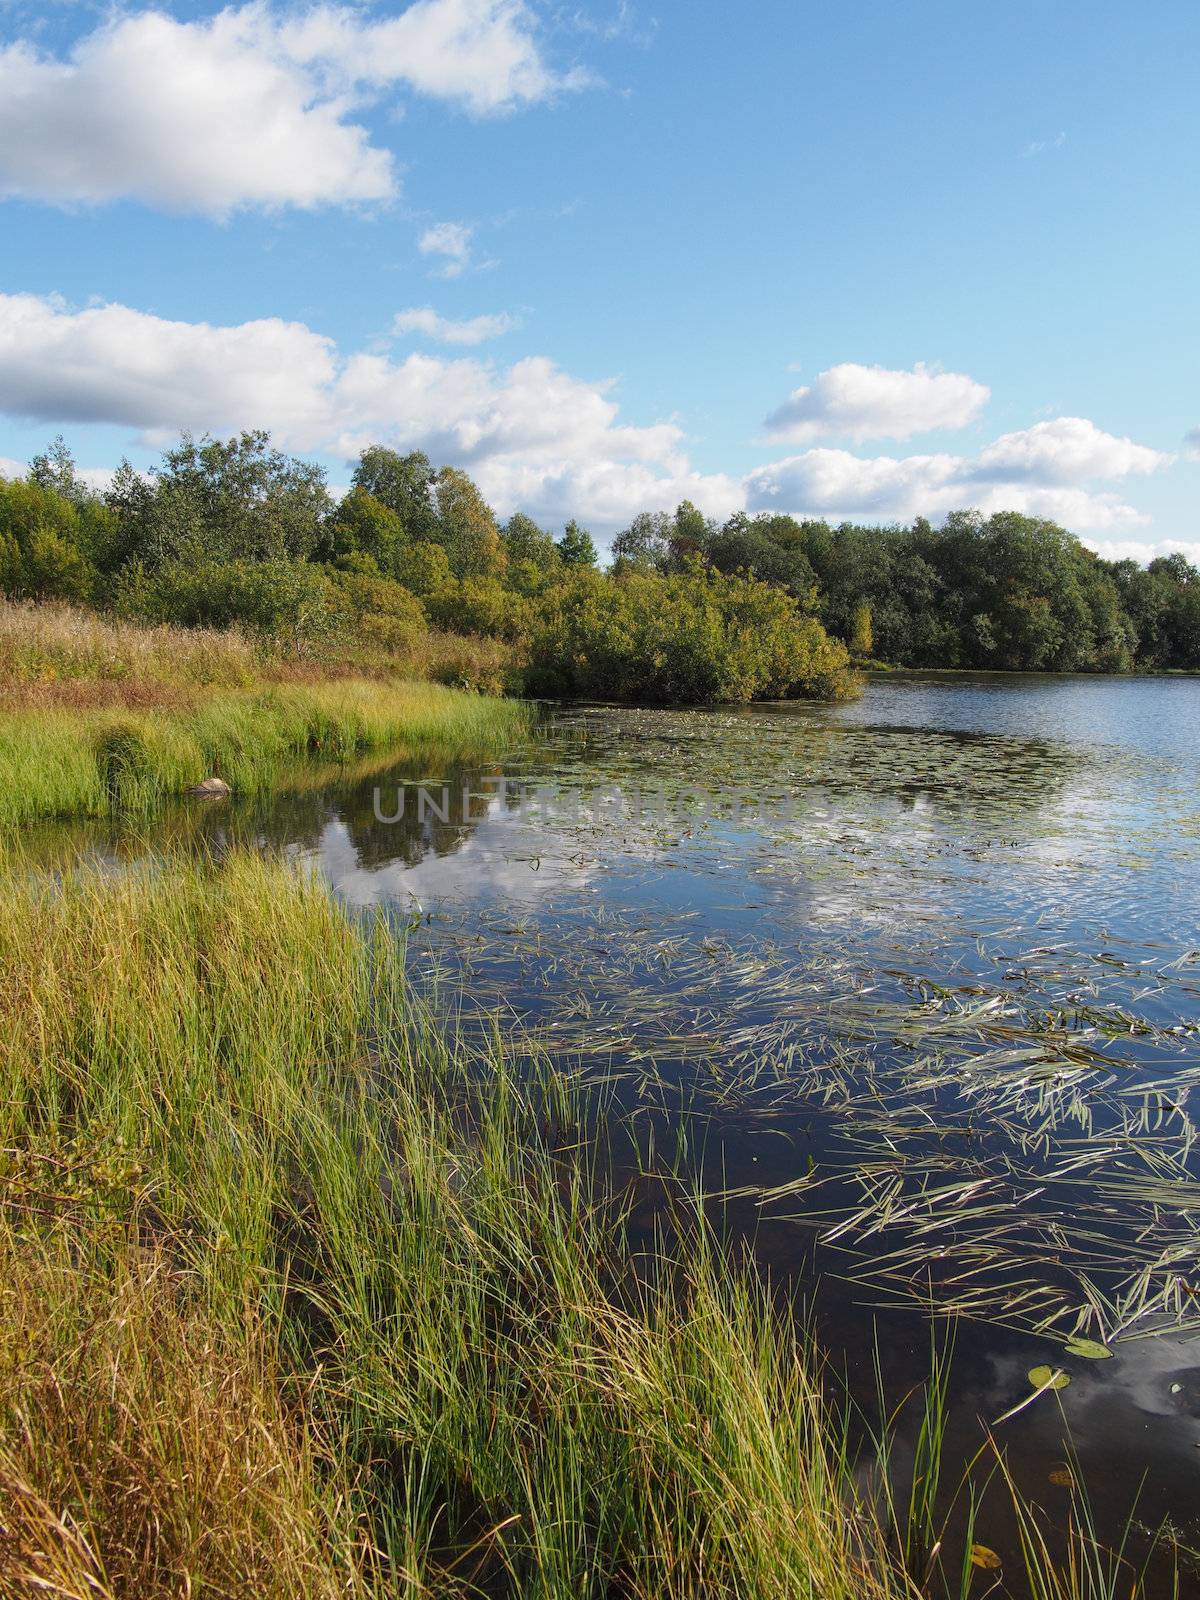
(343, 1304)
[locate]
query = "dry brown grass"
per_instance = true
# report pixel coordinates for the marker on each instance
(146, 1452)
(62, 657)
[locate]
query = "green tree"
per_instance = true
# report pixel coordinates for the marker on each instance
(467, 527)
(234, 499)
(363, 525)
(402, 483)
(646, 542)
(576, 548)
(424, 568)
(55, 469)
(861, 640)
(44, 539)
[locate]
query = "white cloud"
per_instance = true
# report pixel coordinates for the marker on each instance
(480, 53)
(12, 469)
(535, 437)
(452, 240)
(858, 403)
(1044, 470)
(469, 330)
(113, 364)
(1061, 452)
(1145, 550)
(249, 107)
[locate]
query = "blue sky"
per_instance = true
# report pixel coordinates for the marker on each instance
(862, 260)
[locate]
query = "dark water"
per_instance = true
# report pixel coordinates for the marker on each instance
(923, 971)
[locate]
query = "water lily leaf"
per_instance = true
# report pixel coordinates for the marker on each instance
(981, 1556)
(1063, 1477)
(1089, 1349)
(1048, 1378)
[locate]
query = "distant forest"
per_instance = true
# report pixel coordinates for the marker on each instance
(236, 532)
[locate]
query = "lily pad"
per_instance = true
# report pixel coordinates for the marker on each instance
(1063, 1477)
(1048, 1378)
(981, 1556)
(1089, 1349)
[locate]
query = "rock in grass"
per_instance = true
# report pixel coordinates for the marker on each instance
(209, 789)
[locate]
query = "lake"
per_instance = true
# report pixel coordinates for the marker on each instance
(911, 986)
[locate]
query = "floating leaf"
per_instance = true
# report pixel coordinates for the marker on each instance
(1048, 1378)
(981, 1556)
(1063, 1477)
(1089, 1349)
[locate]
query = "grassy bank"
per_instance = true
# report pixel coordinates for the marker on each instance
(304, 1320)
(96, 714)
(88, 762)
(298, 1301)
(66, 657)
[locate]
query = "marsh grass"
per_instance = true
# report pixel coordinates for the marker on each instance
(50, 652)
(54, 655)
(302, 1299)
(92, 762)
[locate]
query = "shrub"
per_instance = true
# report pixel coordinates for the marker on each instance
(289, 602)
(690, 636)
(381, 612)
(482, 606)
(44, 541)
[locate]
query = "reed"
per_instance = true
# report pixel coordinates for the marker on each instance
(340, 1305)
(64, 762)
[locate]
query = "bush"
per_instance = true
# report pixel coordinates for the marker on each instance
(291, 603)
(691, 636)
(381, 612)
(44, 542)
(484, 665)
(481, 606)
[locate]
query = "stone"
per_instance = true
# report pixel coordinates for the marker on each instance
(210, 789)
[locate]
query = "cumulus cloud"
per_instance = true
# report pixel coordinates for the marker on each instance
(857, 402)
(1062, 452)
(536, 437)
(251, 107)
(1145, 550)
(1044, 470)
(111, 363)
(448, 330)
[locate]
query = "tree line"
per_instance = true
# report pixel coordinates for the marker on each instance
(236, 532)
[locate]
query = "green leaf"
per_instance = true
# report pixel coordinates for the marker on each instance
(1089, 1349)
(1048, 1378)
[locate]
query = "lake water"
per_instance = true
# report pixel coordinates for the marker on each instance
(920, 978)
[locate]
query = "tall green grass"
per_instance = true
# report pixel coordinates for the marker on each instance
(57, 762)
(299, 1299)
(185, 1078)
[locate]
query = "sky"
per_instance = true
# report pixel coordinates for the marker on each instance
(870, 260)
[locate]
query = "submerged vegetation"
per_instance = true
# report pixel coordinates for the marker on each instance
(299, 1300)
